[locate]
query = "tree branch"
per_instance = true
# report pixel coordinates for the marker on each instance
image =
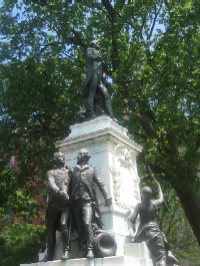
(109, 9)
(45, 46)
(167, 5)
(154, 21)
(139, 31)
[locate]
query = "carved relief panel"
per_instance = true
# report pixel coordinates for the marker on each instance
(125, 179)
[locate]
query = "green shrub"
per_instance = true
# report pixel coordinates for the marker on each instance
(20, 243)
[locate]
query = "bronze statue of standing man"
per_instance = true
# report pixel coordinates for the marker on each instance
(83, 178)
(95, 86)
(57, 215)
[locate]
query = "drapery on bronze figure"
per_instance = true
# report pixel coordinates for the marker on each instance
(149, 230)
(83, 178)
(57, 215)
(95, 89)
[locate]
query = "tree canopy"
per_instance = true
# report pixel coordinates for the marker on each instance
(151, 51)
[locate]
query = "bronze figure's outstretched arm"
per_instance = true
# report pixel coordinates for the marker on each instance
(160, 200)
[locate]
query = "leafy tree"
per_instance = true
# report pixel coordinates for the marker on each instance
(177, 229)
(151, 50)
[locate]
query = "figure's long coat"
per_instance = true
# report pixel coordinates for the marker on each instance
(58, 179)
(83, 180)
(94, 67)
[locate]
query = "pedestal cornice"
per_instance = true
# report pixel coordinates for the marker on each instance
(96, 131)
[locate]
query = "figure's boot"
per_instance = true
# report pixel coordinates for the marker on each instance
(48, 257)
(90, 254)
(90, 241)
(108, 108)
(65, 239)
(66, 255)
(50, 247)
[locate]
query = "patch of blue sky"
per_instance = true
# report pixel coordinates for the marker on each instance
(19, 11)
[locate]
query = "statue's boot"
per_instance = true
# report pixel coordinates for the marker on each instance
(65, 236)
(66, 255)
(90, 241)
(108, 107)
(90, 114)
(47, 257)
(90, 254)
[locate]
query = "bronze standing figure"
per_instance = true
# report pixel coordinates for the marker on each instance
(95, 90)
(57, 215)
(83, 178)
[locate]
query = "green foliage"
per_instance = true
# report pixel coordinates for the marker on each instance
(174, 224)
(17, 200)
(20, 243)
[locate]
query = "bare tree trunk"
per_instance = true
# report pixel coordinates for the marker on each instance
(191, 205)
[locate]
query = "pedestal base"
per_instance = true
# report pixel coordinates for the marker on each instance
(109, 261)
(134, 254)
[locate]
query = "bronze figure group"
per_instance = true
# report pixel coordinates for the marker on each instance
(72, 202)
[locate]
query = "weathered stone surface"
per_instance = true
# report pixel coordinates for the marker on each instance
(109, 261)
(114, 154)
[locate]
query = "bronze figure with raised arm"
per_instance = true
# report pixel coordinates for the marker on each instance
(149, 231)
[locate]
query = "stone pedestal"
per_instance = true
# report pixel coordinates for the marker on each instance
(114, 154)
(109, 261)
(135, 254)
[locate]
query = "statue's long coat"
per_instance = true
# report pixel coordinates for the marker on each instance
(94, 67)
